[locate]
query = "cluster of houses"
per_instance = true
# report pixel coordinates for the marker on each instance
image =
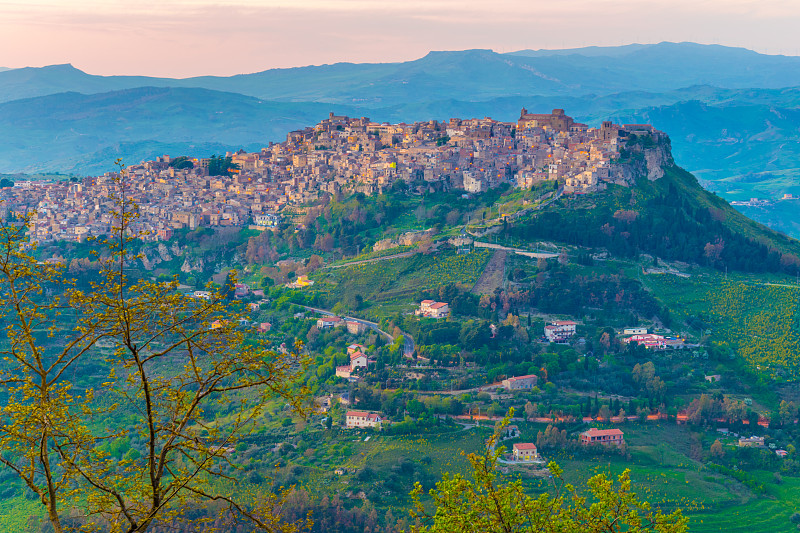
(527, 451)
(653, 341)
(339, 154)
(354, 327)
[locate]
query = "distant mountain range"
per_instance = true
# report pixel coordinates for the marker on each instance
(732, 113)
(465, 75)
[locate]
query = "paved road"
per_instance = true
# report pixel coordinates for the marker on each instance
(519, 251)
(375, 260)
(409, 347)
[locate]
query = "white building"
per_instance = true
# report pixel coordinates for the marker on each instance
(363, 419)
(521, 382)
(472, 182)
(433, 309)
(525, 451)
(560, 331)
(634, 331)
(358, 360)
(329, 322)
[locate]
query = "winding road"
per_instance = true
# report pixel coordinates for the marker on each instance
(408, 348)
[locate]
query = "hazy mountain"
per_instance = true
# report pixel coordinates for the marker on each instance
(469, 75)
(72, 132)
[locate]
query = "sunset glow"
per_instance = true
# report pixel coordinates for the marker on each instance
(187, 38)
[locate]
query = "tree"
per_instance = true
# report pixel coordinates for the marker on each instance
(716, 449)
(531, 411)
(174, 360)
(221, 166)
(487, 504)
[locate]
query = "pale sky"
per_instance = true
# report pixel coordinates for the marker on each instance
(180, 38)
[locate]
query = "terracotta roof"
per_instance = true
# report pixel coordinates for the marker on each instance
(523, 377)
(594, 432)
(525, 446)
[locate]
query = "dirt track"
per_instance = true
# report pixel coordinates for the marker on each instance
(492, 276)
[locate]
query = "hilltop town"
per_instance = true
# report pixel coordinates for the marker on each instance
(338, 155)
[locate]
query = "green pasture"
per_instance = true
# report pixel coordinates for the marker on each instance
(397, 280)
(759, 320)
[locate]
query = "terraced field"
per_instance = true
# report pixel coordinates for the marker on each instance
(396, 280)
(761, 322)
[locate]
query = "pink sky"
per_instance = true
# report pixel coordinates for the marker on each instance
(180, 38)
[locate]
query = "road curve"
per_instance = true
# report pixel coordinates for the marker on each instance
(408, 348)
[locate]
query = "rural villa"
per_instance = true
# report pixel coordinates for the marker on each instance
(602, 436)
(560, 331)
(433, 309)
(363, 419)
(525, 451)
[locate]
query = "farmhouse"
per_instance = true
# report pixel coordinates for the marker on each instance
(559, 331)
(521, 382)
(433, 309)
(525, 451)
(602, 436)
(358, 360)
(355, 328)
(634, 331)
(241, 290)
(363, 419)
(655, 342)
(751, 442)
(329, 322)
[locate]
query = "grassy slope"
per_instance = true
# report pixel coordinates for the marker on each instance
(393, 282)
(733, 219)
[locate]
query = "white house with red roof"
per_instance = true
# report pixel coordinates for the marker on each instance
(602, 436)
(560, 331)
(358, 360)
(329, 322)
(525, 451)
(363, 419)
(433, 309)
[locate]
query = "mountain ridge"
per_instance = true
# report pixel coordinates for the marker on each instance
(465, 74)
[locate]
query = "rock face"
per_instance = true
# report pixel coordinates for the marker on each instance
(656, 159)
(643, 160)
(192, 266)
(163, 252)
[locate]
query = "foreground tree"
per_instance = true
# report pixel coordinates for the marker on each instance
(485, 504)
(172, 360)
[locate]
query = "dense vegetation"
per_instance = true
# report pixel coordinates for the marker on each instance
(664, 220)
